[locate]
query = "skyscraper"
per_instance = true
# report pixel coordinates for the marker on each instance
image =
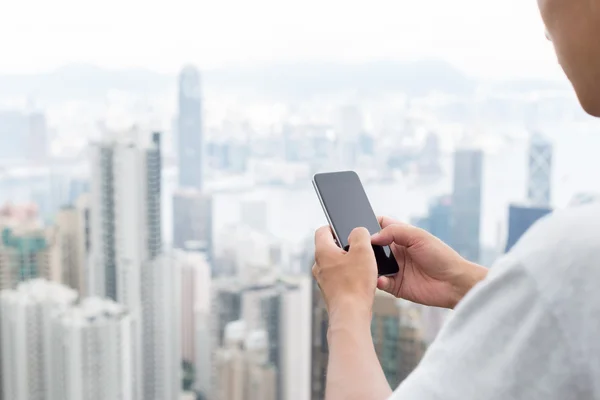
(69, 248)
(438, 219)
(539, 189)
(90, 347)
(466, 203)
(125, 215)
(520, 219)
(25, 248)
(82, 205)
(397, 338)
(396, 335)
(274, 308)
(226, 307)
(190, 148)
(195, 291)
(126, 245)
(192, 220)
(279, 309)
(161, 334)
(244, 370)
(319, 345)
(25, 332)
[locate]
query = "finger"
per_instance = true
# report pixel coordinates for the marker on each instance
(359, 240)
(401, 234)
(325, 242)
(386, 221)
(386, 283)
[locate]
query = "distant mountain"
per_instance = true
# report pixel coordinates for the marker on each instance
(83, 81)
(285, 81)
(309, 79)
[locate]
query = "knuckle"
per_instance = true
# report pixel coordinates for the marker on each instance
(319, 256)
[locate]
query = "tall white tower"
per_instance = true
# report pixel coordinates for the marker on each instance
(161, 317)
(125, 262)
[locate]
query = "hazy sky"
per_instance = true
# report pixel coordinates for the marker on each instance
(489, 38)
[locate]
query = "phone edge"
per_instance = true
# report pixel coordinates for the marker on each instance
(335, 234)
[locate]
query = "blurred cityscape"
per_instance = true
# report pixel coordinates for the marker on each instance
(156, 231)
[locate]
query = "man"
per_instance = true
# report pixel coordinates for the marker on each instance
(528, 329)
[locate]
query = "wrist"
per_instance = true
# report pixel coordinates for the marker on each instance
(349, 312)
(470, 275)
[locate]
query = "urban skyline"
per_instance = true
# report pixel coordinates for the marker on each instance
(167, 250)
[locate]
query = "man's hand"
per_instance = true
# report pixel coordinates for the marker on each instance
(432, 273)
(347, 279)
(348, 282)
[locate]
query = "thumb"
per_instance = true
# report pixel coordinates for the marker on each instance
(386, 283)
(359, 240)
(402, 234)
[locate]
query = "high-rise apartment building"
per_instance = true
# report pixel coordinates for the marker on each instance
(91, 349)
(397, 338)
(82, 206)
(189, 126)
(466, 203)
(319, 345)
(539, 186)
(25, 246)
(204, 353)
(396, 335)
(195, 298)
(125, 257)
(280, 309)
(244, 370)
(70, 248)
(192, 221)
(125, 214)
(226, 307)
(276, 309)
(26, 337)
(161, 333)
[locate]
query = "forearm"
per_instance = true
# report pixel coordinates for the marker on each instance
(464, 282)
(353, 371)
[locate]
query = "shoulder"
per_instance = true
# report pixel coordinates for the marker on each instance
(561, 253)
(566, 237)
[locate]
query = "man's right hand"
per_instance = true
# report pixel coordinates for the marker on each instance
(431, 272)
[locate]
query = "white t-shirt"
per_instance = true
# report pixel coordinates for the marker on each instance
(531, 329)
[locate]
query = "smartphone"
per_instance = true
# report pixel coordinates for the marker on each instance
(346, 207)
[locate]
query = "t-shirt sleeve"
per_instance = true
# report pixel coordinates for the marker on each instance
(502, 342)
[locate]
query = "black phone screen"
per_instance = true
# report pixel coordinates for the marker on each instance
(347, 207)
